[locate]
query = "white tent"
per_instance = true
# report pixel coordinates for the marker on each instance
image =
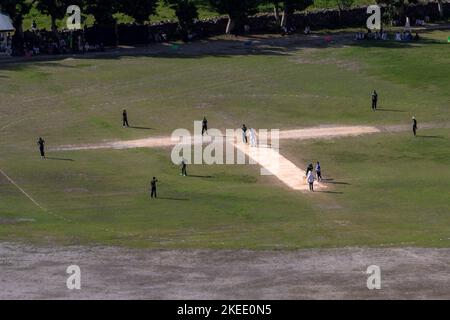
(5, 23)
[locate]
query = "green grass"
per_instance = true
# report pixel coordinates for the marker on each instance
(396, 187)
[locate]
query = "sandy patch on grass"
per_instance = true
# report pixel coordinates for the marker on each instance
(158, 142)
(15, 220)
(327, 132)
(269, 159)
(307, 57)
(273, 163)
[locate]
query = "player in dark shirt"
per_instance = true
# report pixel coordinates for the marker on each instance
(183, 168)
(125, 118)
(244, 133)
(374, 100)
(204, 126)
(41, 144)
(153, 187)
(319, 171)
(415, 127)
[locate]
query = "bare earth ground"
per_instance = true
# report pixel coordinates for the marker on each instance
(115, 273)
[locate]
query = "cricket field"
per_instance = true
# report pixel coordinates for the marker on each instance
(386, 191)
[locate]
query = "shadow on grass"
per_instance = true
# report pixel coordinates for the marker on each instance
(60, 159)
(390, 110)
(173, 199)
(198, 176)
(268, 44)
(140, 128)
(430, 137)
(274, 45)
(331, 192)
(331, 181)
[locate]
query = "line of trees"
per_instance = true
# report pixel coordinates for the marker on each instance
(140, 10)
(185, 10)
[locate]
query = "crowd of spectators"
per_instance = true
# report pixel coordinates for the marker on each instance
(37, 42)
(383, 35)
(5, 43)
(416, 21)
(41, 41)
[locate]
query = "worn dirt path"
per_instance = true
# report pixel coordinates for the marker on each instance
(271, 161)
(158, 142)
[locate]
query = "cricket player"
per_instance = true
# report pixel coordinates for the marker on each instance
(183, 168)
(153, 187)
(318, 171)
(125, 119)
(310, 178)
(374, 100)
(309, 169)
(204, 126)
(244, 134)
(415, 127)
(41, 144)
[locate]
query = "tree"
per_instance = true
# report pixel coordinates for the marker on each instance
(340, 4)
(102, 10)
(343, 4)
(186, 12)
(276, 8)
(289, 6)
(140, 10)
(56, 9)
(397, 8)
(16, 9)
(237, 11)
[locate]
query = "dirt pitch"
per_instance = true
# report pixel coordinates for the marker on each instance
(116, 273)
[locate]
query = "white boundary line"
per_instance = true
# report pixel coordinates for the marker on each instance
(23, 191)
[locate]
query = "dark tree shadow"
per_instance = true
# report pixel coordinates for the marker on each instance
(268, 44)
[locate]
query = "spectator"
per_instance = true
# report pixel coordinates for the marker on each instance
(307, 30)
